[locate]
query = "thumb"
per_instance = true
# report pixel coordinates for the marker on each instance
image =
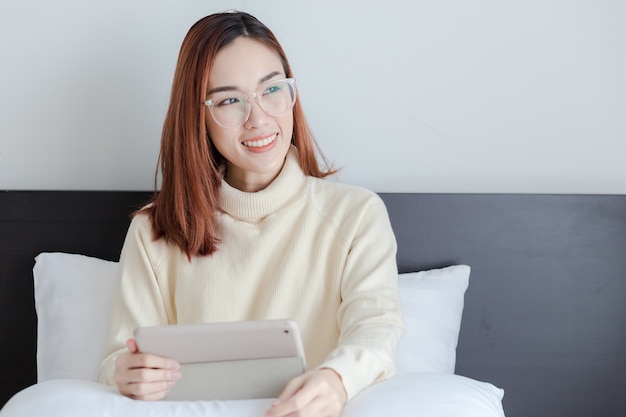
(290, 389)
(132, 346)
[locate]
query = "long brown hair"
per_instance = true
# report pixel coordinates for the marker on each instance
(185, 210)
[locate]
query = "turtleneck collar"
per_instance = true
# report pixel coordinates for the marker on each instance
(253, 206)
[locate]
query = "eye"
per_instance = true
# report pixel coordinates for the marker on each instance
(228, 101)
(272, 89)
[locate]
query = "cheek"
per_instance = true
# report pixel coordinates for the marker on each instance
(211, 127)
(286, 125)
(217, 134)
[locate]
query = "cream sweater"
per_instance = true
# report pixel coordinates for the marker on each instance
(317, 252)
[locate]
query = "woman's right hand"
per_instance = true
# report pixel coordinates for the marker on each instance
(143, 376)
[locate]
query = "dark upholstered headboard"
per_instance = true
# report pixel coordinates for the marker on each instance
(545, 312)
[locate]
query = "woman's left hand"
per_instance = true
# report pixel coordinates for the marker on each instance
(318, 393)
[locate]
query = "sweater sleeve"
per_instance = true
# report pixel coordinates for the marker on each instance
(140, 299)
(369, 316)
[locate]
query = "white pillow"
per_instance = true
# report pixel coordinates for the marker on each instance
(74, 293)
(432, 306)
(414, 395)
(73, 299)
(428, 395)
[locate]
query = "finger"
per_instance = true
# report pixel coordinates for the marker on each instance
(299, 406)
(132, 346)
(151, 397)
(152, 360)
(148, 391)
(145, 360)
(149, 375)
(145, 383)
(298, 394)
(291, 388)
(313, 409)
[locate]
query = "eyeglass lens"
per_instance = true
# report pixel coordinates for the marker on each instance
(233, 109)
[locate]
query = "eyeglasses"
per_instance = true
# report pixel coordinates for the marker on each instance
(232, 109)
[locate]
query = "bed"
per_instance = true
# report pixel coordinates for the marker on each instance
(521, 298)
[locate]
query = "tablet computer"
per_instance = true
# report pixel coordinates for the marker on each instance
(228, 361)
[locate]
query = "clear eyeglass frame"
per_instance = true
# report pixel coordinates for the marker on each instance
(232, 109)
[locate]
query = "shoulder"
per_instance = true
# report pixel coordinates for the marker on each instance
(347, 206)
(140, 224)
(142, 237)
(329, 195)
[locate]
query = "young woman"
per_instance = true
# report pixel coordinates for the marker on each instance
(246, 228)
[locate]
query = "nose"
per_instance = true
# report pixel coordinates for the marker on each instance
(257, 116)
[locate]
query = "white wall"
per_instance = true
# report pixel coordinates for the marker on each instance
(406, 95)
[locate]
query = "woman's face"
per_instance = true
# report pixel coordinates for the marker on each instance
(254, 152)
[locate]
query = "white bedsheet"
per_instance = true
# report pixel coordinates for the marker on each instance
(414, 395)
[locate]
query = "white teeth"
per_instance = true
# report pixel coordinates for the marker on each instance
(259, 143)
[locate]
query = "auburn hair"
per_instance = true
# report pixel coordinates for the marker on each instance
(185, 209)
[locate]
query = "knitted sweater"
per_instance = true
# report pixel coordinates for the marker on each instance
(314, 251)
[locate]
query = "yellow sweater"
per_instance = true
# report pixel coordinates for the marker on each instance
(317, 252)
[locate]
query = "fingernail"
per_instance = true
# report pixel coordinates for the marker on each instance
(175, 375)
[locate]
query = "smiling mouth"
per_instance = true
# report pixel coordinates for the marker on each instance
(261, 142)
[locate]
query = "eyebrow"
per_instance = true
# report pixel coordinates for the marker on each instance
(233, 88)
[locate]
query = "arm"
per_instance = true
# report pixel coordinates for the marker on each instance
(141, 300)
(369, 318)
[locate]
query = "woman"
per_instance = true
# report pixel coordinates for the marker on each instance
(245, 228)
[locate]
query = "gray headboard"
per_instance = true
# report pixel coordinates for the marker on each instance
(545, 312)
